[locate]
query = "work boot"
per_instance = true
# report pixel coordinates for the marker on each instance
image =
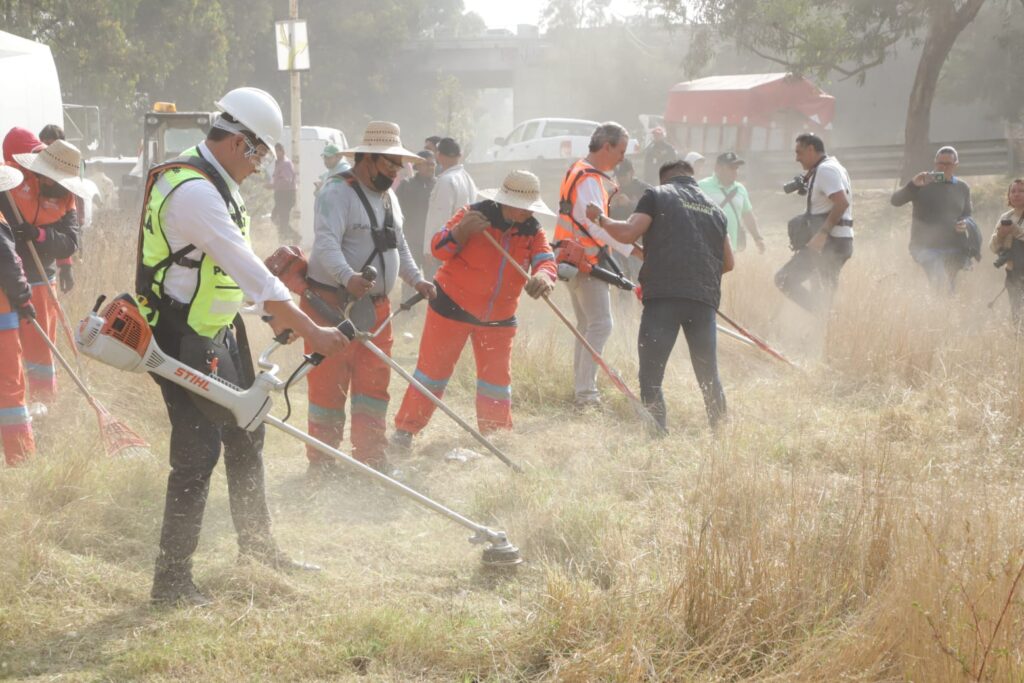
(173, 588)
(323, 471)
(401, 441)
(276, 559)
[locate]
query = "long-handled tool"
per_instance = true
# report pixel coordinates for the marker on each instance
(366, 339)
(760, 343)
(402, 307)
(38, 263)
(116, 435)
(637, 404)
(996, 298)
(120, 337)
(735, 335)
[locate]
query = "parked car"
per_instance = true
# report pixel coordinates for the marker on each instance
(546, 139)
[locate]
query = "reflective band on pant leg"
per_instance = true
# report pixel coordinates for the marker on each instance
(440, 347)
(492, 348)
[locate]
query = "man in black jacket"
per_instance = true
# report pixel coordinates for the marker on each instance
(940, 220)
(686, 251)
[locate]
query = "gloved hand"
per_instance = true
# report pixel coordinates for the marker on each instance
(26, 232)
(67, 279)
(472, 223)
(539, 285)
(26, 311)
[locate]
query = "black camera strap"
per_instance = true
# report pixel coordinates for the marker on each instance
(809, 178)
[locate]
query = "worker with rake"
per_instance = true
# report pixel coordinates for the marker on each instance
(15, 308)
(42, 215)
(477, 297)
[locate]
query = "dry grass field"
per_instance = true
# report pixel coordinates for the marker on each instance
(858, 520)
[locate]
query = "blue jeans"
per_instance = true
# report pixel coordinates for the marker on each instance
(940, 264)
(659, 328)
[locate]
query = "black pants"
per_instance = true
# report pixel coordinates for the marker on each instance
(806, 264)
(281, 214)
(195, 448)
(659, 328)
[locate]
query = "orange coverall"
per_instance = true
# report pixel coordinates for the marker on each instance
(478, 293)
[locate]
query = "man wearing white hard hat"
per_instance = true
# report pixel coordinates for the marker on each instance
(358, 225)
(477, 297)
(42, 214)
(15, 308)
(196, 267)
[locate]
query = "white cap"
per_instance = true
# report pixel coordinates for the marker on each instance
(693, 157)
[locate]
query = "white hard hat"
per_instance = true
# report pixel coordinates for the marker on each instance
(258, 111)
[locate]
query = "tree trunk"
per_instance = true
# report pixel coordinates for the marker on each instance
(944, 26)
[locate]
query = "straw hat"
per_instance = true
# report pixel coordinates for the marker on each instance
(382, 137)
(10, 178)
(60, 162)
(520, 190)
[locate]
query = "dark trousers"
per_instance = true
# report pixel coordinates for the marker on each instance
(196, 442)
(281, 214)
(659, 328)
(1015, 293)
(821, 269)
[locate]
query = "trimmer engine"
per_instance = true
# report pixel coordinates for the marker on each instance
(119, 336)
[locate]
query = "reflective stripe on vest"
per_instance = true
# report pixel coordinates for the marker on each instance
(567, 228)
(217, 297)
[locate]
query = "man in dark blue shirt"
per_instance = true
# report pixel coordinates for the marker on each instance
(686, 251)
(940, 220)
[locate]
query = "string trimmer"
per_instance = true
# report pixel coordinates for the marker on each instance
(120, 337)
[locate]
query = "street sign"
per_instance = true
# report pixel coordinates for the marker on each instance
(292, 45)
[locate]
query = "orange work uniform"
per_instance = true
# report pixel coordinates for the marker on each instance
(477, 297)
(15, 424)
(57, 220)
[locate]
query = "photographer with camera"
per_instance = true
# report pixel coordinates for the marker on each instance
(822, 236)
(941, 227)
(1008, 243)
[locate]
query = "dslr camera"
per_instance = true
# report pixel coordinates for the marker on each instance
(797, 184)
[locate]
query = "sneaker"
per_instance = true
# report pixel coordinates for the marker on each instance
(276, 559)
(584, 403)
(401, 441)
(37, 410)
(177, 591)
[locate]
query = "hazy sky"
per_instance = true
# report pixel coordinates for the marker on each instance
(508, 13)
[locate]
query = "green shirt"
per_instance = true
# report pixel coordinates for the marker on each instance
(738, 204)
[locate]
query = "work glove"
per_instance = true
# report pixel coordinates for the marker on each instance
(26, 311)
(472, 223)
(67, 279)
(26, 232)
(539, 285)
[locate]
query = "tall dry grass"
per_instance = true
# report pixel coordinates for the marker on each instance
(856, 520)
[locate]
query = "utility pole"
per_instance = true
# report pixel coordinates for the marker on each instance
(296, 117)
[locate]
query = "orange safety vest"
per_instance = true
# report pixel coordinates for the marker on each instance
(568, 228)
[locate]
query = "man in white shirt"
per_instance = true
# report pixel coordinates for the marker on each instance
(195, 268)
(453, 190)
(829, 226)
(586, 182)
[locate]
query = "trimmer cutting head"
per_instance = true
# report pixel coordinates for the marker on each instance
(501, 556)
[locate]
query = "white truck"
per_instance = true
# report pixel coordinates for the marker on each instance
(548, 138)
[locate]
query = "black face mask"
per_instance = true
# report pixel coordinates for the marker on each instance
(381, 182)
(55, 191)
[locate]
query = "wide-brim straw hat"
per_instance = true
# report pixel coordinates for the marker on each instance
(383, 137)
(520, 190)
(10, 178)
(61, 162)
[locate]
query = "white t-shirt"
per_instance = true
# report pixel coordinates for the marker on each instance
(830, 178)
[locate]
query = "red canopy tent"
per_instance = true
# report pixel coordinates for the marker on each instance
(737, 112)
